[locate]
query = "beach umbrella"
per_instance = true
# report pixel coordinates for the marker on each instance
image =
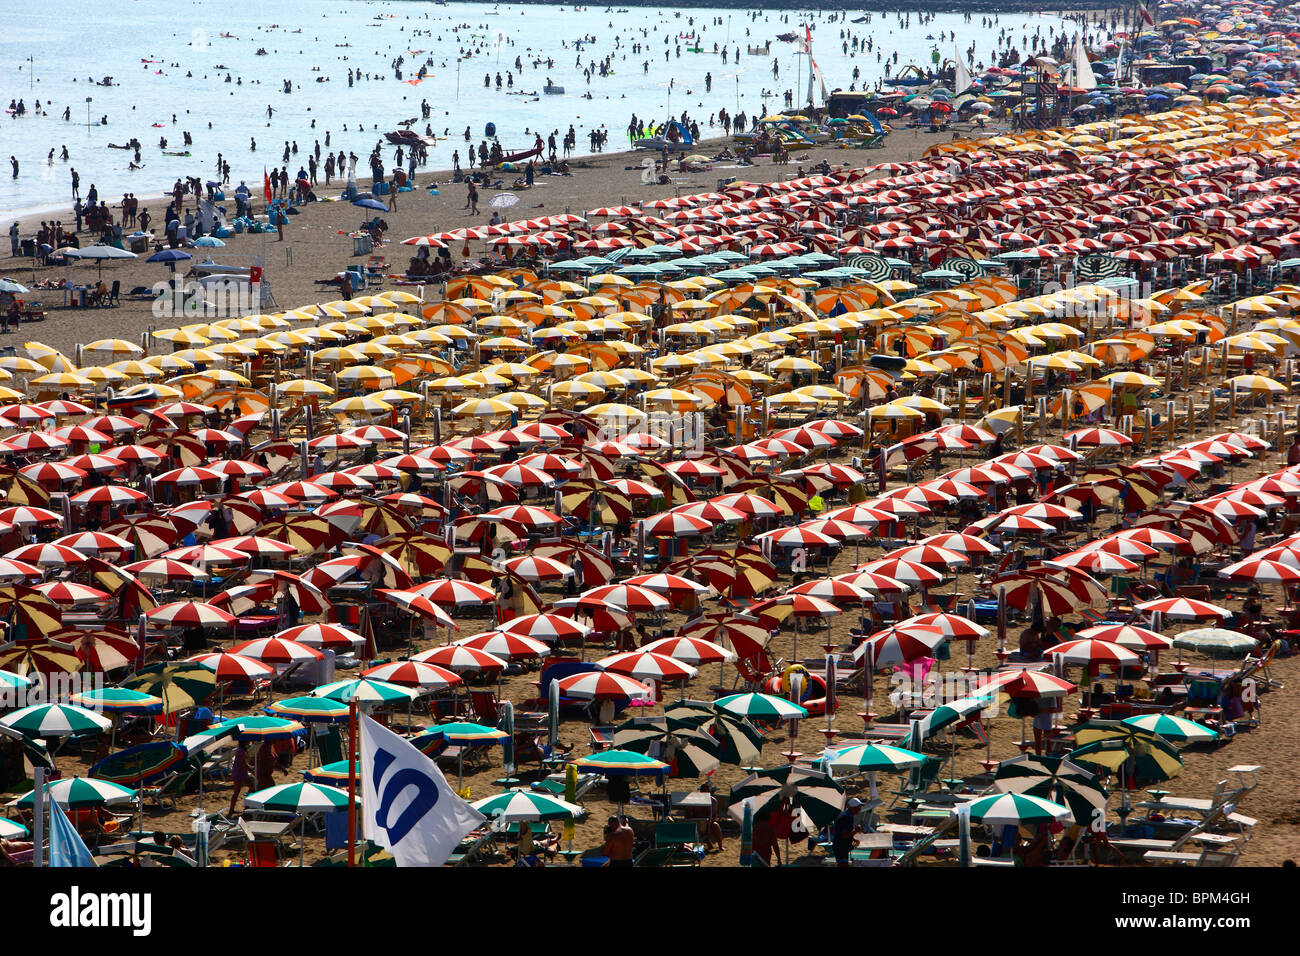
(816, 797)
(55, 720)
(1172, 728)
(622, 763)
(1215, 640)
(1015, 809)
(310, 710)
(116, 700)
(761, 707)
(25, 659)
(1184, 609)
(646, 666)
(189, 614)
(866, 758)
(80, 793)
(366, 691)
(181, 684)
(277, 650)
(603, 685)
(689, 750)
(1049, 776)
(258, 727)
(739, 741)
(413, 673)
(520, 806)
(1111, 744)
(322, 635)
(299, 798)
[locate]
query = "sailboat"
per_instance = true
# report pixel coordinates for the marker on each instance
(1079, 74)
(961, 78)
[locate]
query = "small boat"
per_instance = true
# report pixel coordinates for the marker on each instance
(552, 89)
(403, 137)
(521, 155)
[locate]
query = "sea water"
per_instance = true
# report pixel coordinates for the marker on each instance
(168, 65)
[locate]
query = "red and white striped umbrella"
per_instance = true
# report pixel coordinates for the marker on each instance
(909, 572)
(1184, 609)
(106, 462)
(34, 442)
(232, 667)
(27, 516)
(755, 506)
(11, 570)
(967, 544)
(797, 537)
(839, 530)
(71, 433)
(1153, 537)
(257, 545)
(710, 511)
(647, 665)
(1254, 498)
(205, 554)
(1126, 635)
(454, 593)
(70, 592)
(635, 490)
(544, 627)
(530, 516)
(238, 468)
(48, 555)
(899, 506)
(268, 499)
(971, 434)
(832, 589)
(1099, 438)
(1228, 509)
(52, 472)
(505, 645)
(421, 605)
(874, 582)
(604, 685)
(953, 625)
(930, 555)
(1043, 511)
(925, 495)
(95, 542)
(189, 476)
(533, 568)
(627, 597)
(954, 489)
(557, 466)
(901, 644)
(673, 524)
(861, 515)
(305, 491)
(692, 468)
(413, 674)
(277, 650)
(461, 659)
(1095, 561)
(1129, 548)
(1261, 570)
(521, 476)
(189, 613)
(108, 495)
(22, 414)
(339, 442)
(672, 586)
(164, 569)
(117, 424)
(1012, 523)
(834, 428)
(342, 482)
(979, 476)
(810, 439)
(779, 448)
(322, 635)
(692, 650)
(1027, 683)
(1090, 651)
(375, 434)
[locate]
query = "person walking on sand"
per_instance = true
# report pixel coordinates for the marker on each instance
(241, 774)
(473, 199)
(14, 235)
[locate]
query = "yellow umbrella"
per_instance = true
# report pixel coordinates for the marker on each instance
(113, 347)
(367, 375)
(305, 388)
(482, 408)
(360, 404)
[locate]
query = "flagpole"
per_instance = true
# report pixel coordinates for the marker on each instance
(352, 782)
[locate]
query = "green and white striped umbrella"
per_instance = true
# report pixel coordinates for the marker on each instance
(79, 793)
(1172, 728)
(867, 757)
(1215, 640)
(1015, 809)
(739, 741)
(56, 720)
(310, 710)
(518, 806)
(951, 712)
(760, 707)
(331, 772)
(816, 796)
(259, 727)
(365, 691)
(299, 798)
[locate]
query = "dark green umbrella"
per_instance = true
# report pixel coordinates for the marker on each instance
(691, 751)
(739, 741)
(1047, 776)
(180, 684)
(816, 797)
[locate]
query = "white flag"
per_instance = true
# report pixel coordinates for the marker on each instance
(407, 805)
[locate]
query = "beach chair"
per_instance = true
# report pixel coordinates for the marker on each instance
(169, 789)
(263, 853)
(661, 856)
(683, 837)
(114, 292)
(486, 707)
(602, 737)
(919, 780)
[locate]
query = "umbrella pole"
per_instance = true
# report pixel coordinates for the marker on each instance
(352, 782)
